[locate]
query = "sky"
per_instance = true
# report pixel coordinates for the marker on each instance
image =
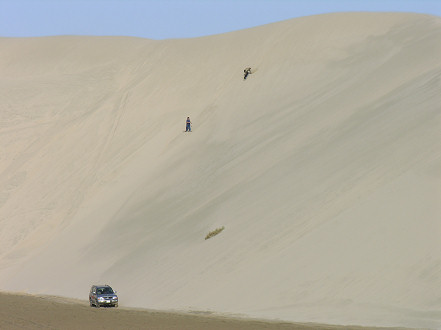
(168, 19)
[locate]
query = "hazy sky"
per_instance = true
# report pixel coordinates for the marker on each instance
(161, 19)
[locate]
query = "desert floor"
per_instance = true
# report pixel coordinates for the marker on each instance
(48, 312)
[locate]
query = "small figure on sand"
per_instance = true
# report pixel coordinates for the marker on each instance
(246, 72)
(188, 125)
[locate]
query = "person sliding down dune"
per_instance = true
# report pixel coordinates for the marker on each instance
(246, 72)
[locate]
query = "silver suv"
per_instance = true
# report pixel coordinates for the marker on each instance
(102, 295)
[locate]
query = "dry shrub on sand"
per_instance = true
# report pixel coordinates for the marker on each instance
(214, 232)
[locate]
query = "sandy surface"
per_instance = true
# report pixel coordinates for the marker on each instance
(323, 168)
(45, 312)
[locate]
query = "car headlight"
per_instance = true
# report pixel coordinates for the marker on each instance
(115, 298)
(100, 299)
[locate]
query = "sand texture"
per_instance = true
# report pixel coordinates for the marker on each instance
(323, 168)
(45, 312)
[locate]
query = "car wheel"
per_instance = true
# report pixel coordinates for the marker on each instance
(90, 302)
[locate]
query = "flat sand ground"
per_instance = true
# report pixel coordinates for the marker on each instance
(48, 312)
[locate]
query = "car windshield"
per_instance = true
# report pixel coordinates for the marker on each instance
(105, 290)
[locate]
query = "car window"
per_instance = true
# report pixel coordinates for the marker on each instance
(107, 290)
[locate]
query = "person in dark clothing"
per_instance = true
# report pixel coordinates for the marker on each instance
(246, 72)
(188, 125)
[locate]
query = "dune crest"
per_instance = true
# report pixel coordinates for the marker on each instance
(323, 168)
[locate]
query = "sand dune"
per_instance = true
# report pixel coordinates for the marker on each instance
(324, 167)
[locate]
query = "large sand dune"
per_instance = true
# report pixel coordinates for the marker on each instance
(324, 167)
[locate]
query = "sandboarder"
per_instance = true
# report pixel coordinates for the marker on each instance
(246, 72)
(188, 125)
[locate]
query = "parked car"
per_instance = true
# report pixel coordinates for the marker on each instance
(102, 295)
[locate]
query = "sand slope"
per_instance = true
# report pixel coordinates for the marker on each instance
(324, 167)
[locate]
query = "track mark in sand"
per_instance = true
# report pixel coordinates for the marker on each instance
(120, 111)
(92, 172)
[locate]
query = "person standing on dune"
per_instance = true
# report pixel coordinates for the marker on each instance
(188, 125)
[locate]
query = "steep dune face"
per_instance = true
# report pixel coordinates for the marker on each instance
(324, 167)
